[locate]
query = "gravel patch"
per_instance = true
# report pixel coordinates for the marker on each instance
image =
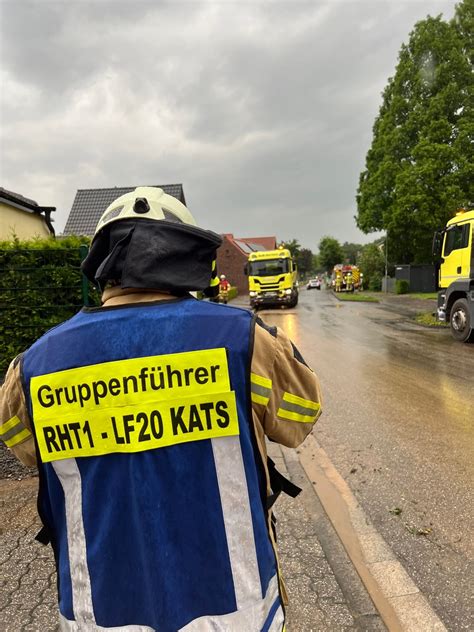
(11, 468)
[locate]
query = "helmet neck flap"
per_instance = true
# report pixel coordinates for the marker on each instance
(144, 253)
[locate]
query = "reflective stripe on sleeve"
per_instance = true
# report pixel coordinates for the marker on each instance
(261, 389)
(13, 432)
(298, 409)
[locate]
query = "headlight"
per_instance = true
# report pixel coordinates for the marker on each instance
(251, 293)
(288, 291)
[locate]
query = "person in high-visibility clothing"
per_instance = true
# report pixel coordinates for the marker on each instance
(338, 281)
(349, 282)
(224, 287)
(147, 419)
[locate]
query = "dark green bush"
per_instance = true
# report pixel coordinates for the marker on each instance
(40, 286)
(402, 286)
(375, 282)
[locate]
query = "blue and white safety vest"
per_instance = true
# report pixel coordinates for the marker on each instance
(151, 486)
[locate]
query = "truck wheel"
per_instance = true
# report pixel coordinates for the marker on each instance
(294, 301)
(460, 321)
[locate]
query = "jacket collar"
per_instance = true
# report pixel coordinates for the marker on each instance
(119, 296)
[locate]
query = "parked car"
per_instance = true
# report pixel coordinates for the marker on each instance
(313, 283)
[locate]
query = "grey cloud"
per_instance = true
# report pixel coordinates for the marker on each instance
(263, 110)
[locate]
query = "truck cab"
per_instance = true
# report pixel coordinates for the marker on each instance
(453, 249)
(272, 278)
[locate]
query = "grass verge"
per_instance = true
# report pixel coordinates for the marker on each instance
(356, 297)
(428, 320)
(431, 296)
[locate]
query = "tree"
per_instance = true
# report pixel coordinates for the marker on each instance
(420, 166)
(293, 246)
(351, 252)
(304, 261)
(372, 264)
(330, 253)
(317, 267)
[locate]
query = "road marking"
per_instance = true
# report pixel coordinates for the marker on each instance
(399, 601)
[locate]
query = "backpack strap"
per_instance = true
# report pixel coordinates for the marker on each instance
(279, 484)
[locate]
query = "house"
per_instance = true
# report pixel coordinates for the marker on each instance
(233, 254)
(23, 218)
(90, 204)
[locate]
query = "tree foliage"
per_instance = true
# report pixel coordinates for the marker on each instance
(304, 261)
(351, 252)
(293, 246)
(372, 264)
(330, 253)
(420, 166)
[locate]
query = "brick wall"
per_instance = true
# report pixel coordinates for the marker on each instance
(231, 262)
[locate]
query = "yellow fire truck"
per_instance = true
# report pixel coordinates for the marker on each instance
(273, 278)
(453, 249)
(346, 278)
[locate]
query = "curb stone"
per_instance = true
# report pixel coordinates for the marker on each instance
(394, 593)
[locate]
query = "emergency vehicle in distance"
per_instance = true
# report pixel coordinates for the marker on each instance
(346, 278)
(273, 278)
(453, 250)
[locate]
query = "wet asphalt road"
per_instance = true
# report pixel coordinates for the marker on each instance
(398, 424)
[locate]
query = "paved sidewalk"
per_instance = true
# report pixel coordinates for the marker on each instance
(27, 571)
(28, 578)
(316, 600)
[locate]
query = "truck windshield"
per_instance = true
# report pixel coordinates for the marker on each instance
(269, 267)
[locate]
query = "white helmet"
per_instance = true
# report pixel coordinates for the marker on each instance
(222, 277)
(146, 203)
(148, 239)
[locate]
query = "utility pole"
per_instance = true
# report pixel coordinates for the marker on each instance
(386, 262)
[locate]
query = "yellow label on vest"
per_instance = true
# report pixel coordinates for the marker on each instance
(134, 405)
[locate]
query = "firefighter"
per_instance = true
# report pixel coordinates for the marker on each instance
(338, 281)
(224, 287)
(349, 285)
(147, 418)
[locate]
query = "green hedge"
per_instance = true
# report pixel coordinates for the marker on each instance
(40, 286)
(233, 292)
(402, 286)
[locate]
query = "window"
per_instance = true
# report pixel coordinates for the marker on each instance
(269, 267)
(457, 237)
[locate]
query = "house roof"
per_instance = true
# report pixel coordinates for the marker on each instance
(26, 204)
(248, 246)
(90, 204)
(268, 243)
(16, 197)
(251, 244)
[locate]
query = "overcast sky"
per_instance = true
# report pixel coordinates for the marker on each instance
(262, 109)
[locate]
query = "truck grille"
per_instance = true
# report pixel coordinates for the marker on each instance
(269, 287)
